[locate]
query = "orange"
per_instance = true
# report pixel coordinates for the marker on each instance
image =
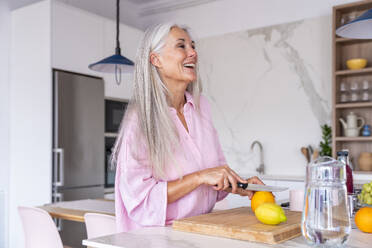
(261, 197)
(363, 219)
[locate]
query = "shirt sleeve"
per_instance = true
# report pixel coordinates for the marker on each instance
(221, 157)
(144, 197)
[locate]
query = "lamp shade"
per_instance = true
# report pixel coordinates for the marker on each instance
(116, 63)
(112, 64)
(359, 28)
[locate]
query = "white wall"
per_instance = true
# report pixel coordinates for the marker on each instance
(4, 118)
(226, 16)
(44, 35)
(30, 112)
(238, 75)
(81, 38)
(271, 84)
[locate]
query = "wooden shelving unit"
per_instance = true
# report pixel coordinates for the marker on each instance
(344, 49)
(353, 72)
(365, 139)
(349, 40)
(354, 105)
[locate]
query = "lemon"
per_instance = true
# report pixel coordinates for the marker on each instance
(270, 213)
(261, 197)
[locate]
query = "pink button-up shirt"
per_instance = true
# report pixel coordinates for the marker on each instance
(140, 199)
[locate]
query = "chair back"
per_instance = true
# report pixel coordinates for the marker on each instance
(99, 225)
(39, 228)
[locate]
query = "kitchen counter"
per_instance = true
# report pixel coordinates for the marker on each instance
(360, 178)
(279, 177)
(163, 237)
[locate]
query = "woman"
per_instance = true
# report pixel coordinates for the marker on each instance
(169, 161)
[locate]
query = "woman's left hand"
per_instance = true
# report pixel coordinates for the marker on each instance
(249, 193)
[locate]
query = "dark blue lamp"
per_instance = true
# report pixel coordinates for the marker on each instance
(359, 28)
(116, 63)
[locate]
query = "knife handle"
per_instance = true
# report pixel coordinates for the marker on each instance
(241, 185)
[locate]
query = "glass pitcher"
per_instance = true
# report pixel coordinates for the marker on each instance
(325, 216)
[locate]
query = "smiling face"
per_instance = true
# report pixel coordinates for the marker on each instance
(177, 60)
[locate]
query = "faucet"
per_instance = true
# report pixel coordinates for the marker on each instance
(261, 167)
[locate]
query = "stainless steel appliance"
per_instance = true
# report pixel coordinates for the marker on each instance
(114, 112)
(110, 171)
(78, 144)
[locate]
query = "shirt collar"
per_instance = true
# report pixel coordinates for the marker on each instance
(189, 101)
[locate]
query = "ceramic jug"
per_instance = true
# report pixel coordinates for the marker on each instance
(351, 128)
(365, 161)
(366, 131)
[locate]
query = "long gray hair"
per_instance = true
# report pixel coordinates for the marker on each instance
(150, 102)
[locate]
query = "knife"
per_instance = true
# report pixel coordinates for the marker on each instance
(259, 187)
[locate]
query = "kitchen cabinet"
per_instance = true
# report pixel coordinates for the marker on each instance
(349, 86)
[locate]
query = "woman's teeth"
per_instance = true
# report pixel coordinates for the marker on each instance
(189, 65)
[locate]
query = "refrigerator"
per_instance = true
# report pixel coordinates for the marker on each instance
(78, 145)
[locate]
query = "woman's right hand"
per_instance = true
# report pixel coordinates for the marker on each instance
(220, 178)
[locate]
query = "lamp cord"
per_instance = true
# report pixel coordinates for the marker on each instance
(117, 27)
(117, 68)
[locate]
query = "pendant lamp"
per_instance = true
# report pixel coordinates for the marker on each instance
(359, 28)
(116, 63)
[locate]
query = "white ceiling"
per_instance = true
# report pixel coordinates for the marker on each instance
(142, 1)
(131, 11)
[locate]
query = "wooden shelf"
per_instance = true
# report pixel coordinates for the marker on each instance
(111, 135)
(354, 105)
(340, 40)
(351, 139)
(348, 40)
(353, 72)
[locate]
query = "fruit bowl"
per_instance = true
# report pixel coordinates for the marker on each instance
(355, 64)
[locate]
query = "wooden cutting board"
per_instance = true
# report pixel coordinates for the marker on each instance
(241, 223)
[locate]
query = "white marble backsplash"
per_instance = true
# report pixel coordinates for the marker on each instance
(271, 84)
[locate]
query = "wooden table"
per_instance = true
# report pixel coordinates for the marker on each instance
(65, 212)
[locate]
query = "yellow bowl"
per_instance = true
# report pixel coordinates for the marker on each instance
(355, 64)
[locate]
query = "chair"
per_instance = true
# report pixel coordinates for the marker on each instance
(39, 228)
(99, 225)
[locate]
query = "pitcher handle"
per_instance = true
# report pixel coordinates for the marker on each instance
(361, 122)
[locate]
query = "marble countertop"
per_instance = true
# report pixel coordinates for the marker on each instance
(164, 237)
(359, 177)
(279, 177)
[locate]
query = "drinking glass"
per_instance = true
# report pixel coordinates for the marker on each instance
(354, 96)
(343, 86)
(344, 97)
(354, 85)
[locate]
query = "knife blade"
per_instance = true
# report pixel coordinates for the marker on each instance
(259, 187)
